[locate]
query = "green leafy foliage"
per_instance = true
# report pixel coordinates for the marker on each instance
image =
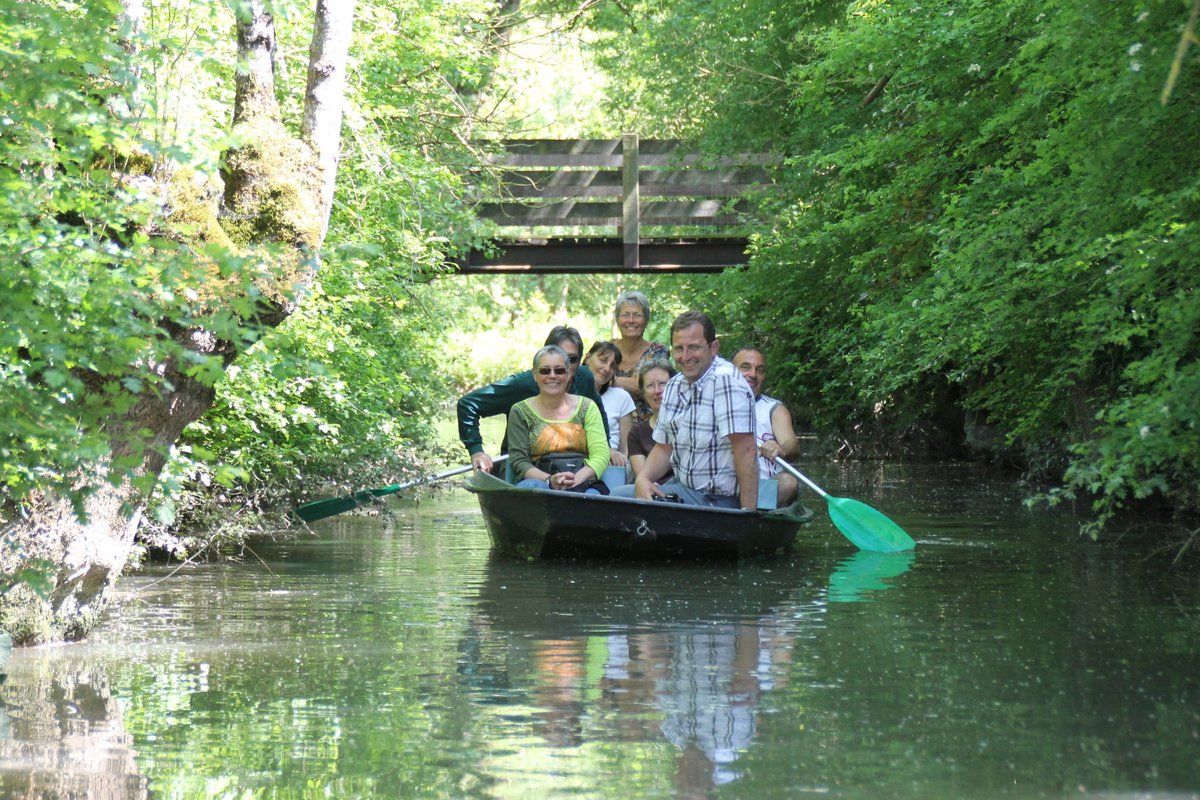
(34, 573)
(345, 392)
(675, 66)
(987, 220)
(101, 289)
(88, 282)
(335, 396)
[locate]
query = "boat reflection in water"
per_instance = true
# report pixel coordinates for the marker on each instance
(671, 657)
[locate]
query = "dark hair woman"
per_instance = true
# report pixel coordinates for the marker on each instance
(603, 359)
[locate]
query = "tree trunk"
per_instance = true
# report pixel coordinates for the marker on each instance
(278, 190)
(325, 95)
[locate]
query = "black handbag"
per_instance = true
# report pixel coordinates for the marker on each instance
(570, 462)
(554, 463)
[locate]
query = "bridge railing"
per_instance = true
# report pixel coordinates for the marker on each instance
(671, 208)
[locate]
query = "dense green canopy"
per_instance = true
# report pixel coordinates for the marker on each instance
(986, 229)
(982, 243)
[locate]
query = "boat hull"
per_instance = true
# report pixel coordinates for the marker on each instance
(539, 523)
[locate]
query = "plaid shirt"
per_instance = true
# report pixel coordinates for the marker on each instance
(696, 419)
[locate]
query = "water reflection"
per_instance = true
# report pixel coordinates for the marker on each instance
(62, 734)
(392, 657)
(861, 575)
(679, 659)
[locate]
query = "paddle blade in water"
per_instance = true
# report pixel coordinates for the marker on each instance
(866, 527)
(320, 509)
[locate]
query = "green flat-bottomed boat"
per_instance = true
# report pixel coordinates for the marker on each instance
(539, 523)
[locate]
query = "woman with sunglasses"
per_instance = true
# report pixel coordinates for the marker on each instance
(499, 397)
(603, 359)
(556, 439)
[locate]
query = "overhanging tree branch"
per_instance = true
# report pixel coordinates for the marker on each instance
(1185, 41)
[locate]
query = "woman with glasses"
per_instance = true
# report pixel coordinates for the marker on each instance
(652, 379)
(556, 440)
(632, 315)
(499, 397)
(603, 359)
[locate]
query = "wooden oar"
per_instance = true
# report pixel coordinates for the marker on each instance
(858, 522)
(321, 509)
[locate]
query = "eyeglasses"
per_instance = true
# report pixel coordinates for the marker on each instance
(573, 359)
(552, 370)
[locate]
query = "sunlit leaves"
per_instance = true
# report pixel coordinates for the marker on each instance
(99, 294)
(345, 390)
(1006, 230)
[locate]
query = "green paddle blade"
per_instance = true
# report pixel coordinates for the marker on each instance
(320, 509)
(866, 527)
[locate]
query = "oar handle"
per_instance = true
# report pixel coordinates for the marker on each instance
(800, 475)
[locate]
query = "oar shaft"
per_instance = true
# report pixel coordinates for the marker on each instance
(320, 509)
(450, 473)
(800, 476)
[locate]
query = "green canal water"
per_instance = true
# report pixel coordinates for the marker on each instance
(393, 656)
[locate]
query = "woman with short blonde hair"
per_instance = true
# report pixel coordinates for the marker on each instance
(631, 313)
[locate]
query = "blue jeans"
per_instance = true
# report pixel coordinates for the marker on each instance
(687, 494)
(534, 483)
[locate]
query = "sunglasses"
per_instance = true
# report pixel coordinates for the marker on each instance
(573, 359)
(552, 370)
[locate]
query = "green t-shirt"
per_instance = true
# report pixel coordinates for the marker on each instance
(501, 396)
(531, 436)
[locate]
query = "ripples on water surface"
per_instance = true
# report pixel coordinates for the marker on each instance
(394, 657)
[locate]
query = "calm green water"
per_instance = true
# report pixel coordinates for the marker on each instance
(392, 656)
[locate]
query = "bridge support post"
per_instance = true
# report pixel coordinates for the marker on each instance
(631, 216)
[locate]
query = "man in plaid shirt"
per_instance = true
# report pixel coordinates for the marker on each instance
(706, 426)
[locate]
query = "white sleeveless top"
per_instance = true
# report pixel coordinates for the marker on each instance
(764, 407)
(616, 403)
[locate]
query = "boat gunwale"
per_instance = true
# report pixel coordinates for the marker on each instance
(796, 512)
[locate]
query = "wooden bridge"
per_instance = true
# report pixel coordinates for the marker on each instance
(560, 201)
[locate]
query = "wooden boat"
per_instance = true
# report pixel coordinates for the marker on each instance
(539, 523)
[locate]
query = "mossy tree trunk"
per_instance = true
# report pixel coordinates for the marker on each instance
(276, 198)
